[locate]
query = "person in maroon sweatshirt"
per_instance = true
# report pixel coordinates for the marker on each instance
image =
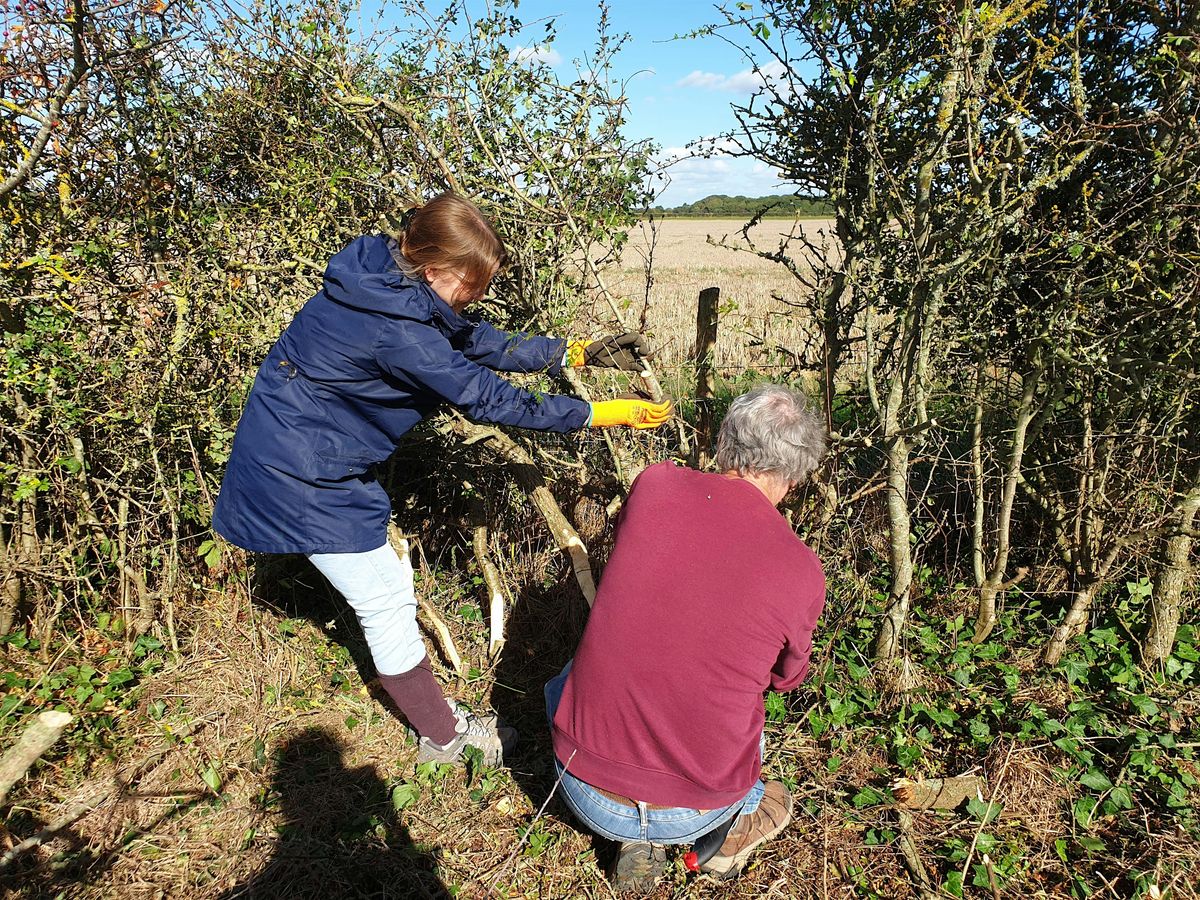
(708, 600)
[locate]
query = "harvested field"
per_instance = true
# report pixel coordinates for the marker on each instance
(761, 302)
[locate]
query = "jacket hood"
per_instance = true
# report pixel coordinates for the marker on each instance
(365, 276)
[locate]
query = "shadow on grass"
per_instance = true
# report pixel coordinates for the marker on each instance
(290, 585)
(338, 835)
(75, 862)
(542, 632)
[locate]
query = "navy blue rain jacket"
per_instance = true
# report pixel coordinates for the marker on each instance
(364, 361)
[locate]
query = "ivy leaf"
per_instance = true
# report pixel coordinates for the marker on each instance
(1120, 798)
(867, 797)
(954, 884)
(1075, 669)
(1144, 705)
(212, 778)
(473, 758)
(1096, 780)
(1084, 810)
(983, 811)
(404, 795)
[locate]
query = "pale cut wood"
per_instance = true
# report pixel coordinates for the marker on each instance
(937, 793)
(39, 737)
(491, 580)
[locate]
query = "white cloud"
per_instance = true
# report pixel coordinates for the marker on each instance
(707, 80)
(690, 178)
(538, 53)
(740, 82)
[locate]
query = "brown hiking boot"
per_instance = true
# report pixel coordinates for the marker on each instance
(751, 831)
(638, 866)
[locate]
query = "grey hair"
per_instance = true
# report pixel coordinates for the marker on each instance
(771, 430)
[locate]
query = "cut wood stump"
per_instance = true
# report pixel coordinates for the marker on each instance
(937, 793)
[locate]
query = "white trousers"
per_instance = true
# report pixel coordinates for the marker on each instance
(378, 585)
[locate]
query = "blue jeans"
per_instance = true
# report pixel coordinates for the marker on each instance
(619, 822)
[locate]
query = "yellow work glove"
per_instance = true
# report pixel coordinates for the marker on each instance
(635, 413)
(619, 351)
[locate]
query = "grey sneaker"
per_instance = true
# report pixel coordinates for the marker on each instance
(638, 866)
(486, 733)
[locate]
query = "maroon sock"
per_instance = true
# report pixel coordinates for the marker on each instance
(422, 702)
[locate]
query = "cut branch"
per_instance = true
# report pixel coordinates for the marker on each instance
(491, 579)
(33, 742)
(400, 544)
(527, 474)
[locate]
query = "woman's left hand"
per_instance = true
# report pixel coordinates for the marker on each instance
(619, 351)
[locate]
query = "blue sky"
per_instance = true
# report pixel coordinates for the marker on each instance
(679, 89)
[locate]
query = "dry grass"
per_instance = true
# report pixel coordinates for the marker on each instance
(272, 701)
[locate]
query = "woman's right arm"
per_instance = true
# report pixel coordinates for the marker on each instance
(421, 358)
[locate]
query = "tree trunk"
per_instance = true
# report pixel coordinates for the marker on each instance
(993, 584)
(1173, 576)
(887, 645)
(10, 588)
(1072, 625)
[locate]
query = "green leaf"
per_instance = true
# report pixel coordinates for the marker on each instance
(1096, 780)
(473, 759)
(1118, 799)
(867, 797)
(776, 707)
(404, 795)
(1075, 669)
(984, 811)
(1060, 847)
(1144, 705)
(954, 884)
(1084, 811)
(1091, 844)
(212, 778)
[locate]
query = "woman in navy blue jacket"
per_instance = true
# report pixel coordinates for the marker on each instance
(381, 345)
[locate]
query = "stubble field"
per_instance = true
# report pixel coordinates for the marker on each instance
(761, 301)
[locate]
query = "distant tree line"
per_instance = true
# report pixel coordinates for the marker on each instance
(724, 206)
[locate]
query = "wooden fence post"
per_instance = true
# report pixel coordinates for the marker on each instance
(705, 355)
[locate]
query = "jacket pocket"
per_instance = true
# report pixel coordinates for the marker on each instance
(336, 466)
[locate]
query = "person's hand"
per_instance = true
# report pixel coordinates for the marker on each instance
(619, 351)
(635, 413)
